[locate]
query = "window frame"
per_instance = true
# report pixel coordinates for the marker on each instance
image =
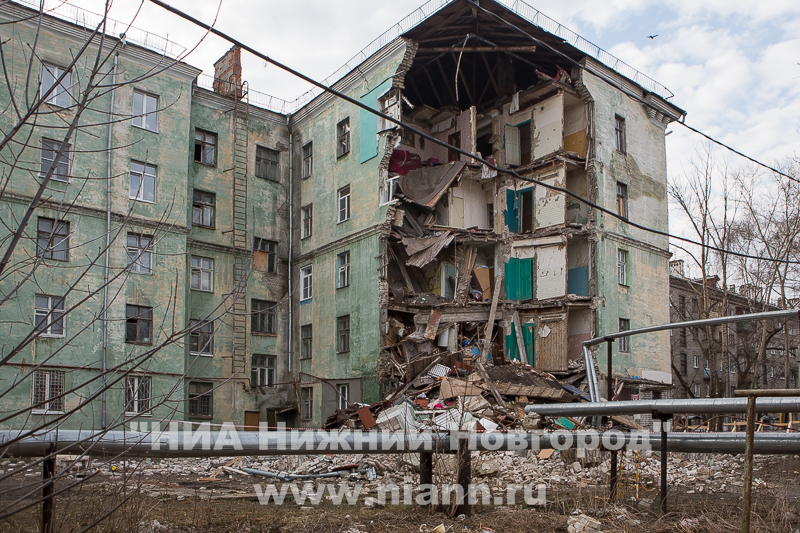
(343, 194)
(343, 395)
(620, 135)
(53, 382)
(58, 229)
(139, 319)
(343, 270)
(624, 342)
(265, 370)
(204, 143)
(65, 86)
(141, 176)
(343, 137)
(306, 342)
(387, 190)
(306, 222)
(132, 396)
(343, 334)
(50, 315)
(684, 368)
(146, 112)
(622, 199)
(270, 167)
(195, 399)
(306, 403)
(306, 283)
(271, 251)
(201, 337)
(308, 160)
(51, 146)
(696, 361)
(203, 205)
(623, 257)
(200, 269)
(140, 252)
(263, 311)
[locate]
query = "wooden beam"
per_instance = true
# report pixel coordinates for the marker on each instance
(475, 49)
(487, 336)
(491, 73)
(463, 79)
(520, 339)
(433, 86)
(485, 376)
(446, 81)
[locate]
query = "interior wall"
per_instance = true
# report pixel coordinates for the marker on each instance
(579, 329)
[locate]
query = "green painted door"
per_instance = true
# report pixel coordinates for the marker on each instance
(529, 336)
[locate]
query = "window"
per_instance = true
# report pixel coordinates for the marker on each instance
(682, 307)
(306, 282)
(204, 209)
(139, 253)
(622, 200)
(343, 330)
(343, 269)
(305, 342)
(793, 352)
(683, 364)
(48, 387)
(262, 371)
(137, 395)
(52, 239)
(343, 137)
(624, 325)
(138, 324)
(706, 360)
(619, 133)
(732, 367)
(387, 191)
(622, 267)
(344, 395)
(145, 111)
(201, 337)
(264, 317)
(683, 338)
(696, 361)
(60, 95)
(266, 257)
(344, 204)
(48, 159)
(306, 403)
(490, 215)
(267, 163)
(695, 389)
(306, 216)
(202, 274)
(205, 147)
(200, 400)
(143, 182)
(49, 315)
(308, 160)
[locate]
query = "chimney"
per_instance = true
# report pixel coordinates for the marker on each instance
(676, 268)
(228, 73)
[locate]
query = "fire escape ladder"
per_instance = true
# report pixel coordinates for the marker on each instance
(241, 244)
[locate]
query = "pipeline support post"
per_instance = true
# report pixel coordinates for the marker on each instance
(48, 472)
(612, 483)
(464, 468)
(663, 496)
(426, 468)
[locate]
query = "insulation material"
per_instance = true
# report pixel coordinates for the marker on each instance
(579, 329)
(466, 125)
(551, 343)
(423, 251)
(548, 132)
(575, 126)
(551, 272)
(550, 205)
(469, 206)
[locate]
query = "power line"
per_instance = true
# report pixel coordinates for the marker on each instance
(444, 144)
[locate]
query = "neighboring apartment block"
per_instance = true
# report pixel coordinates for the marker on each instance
(316, 252)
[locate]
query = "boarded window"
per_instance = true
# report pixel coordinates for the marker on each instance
(454, 139)
(266, 255)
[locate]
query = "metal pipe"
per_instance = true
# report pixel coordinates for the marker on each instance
(290, 477)
(699, 406)
(291, 245)
(590, 374)
(119, 444)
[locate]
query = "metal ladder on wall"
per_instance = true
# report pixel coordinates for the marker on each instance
(241, 244)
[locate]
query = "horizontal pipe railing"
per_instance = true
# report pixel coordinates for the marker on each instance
(120, 444)
(697, 406)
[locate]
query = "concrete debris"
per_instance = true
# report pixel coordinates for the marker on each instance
(581, 523)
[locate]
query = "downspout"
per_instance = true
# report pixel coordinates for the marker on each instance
(108, 243)
(291, 234)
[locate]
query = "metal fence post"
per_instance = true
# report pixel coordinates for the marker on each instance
(48, 501)
(747, 485)
(612, 483)
(664, 459)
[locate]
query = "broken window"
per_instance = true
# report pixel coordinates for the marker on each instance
(142, 182)
(526, 209)
(137, 395)
(306, 216)
(622, 200)
(306, 282)
(52, 239)
(48, 388)
(343, 269)
(202, 278)
(306, 342)
(263, 317)
(344, 395)
(387, 190)
(201, 400)
(145, 111)
(140, 256)
(344, 204)
(343, 329)
(262, 371)
(138, 324)
(204, 209)
(267, 163)
(306, 403)
(624, 344)
(49, 315)
(60, 96)
(201, 338)
(266, 254)
(343, 137)
(619, 133)
(48, 159)
(205, 147)
(622, 267)
(308, 160)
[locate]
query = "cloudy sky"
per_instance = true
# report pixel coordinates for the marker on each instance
(732, 64)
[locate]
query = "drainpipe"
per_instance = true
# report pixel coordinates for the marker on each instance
(291, 227)
(108, 244)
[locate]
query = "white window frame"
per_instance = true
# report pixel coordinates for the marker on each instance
(308, 160)
(622, 266)
(61, 96)
(343, 137)
(306, 403)
(145, 173)
(696, 361)
(306, 221)
(343, 390)
(262, 368)
(205, 204)
(148, 118)
(138, 394)
(306, 282)
(62, 172)
(140, 256)
(343, 204)
(343, 269)
(203, 330)
(387, 191)
(202, 267)
(50, 380)
(55, 315)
